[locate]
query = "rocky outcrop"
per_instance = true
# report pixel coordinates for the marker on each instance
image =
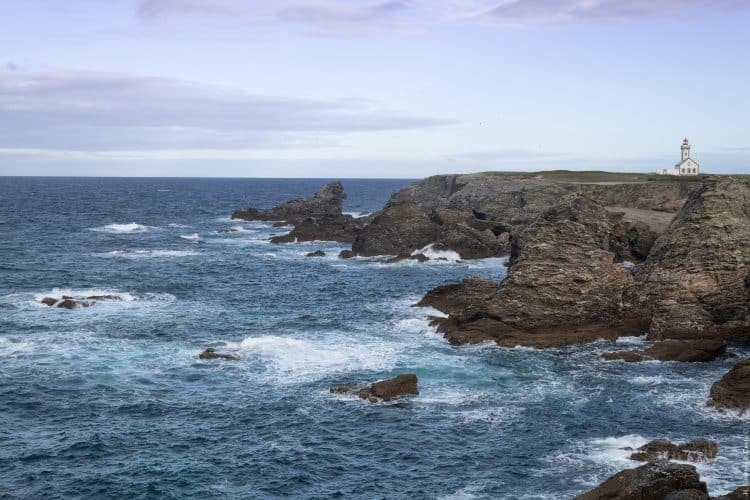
(733, 390)
(403, 228)
(316, 253)
(70, 302)
(314, 219)
(420, 257)
(211, 353)
(696, 280)
(652, 481)
(564, 285)
(699, 450)
(458, 296)
(384, 390)
(674, 350)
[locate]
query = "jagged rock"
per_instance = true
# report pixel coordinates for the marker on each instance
(210, 353)
(695, 282)
(316, 253)
(741, 493)
(347, 254)
(420, 257)
(457, 296)
(733, 390)
(400, 228)
(314, 219)
(384, 390)
(674, 350)
(652, 481)
(327, 201)
(699, 450)
(563, 286)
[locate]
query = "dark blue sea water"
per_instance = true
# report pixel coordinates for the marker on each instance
(111, 401)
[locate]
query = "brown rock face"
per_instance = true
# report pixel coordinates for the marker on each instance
(699, 450)
(563, 286)
(652, 481)
(696, 280)
(733, 390)
(384, 390)
(211, 353)
(316, 218)
(674, 350)
(403, 227)
(455, 297)
(741, 493)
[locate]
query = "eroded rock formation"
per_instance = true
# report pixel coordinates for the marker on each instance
(699, 450)
(674, 350)
(733, 390)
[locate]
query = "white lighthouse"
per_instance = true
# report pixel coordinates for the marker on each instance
(687, 165)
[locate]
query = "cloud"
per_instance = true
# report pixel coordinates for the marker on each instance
(577, 11)
(96, 111)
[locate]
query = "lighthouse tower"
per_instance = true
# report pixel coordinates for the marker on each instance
(685, 150)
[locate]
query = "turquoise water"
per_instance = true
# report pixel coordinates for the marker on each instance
(111, 401)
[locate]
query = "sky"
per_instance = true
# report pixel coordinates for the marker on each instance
(371, 88)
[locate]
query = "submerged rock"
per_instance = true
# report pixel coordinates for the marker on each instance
(699, 450)
(384, 390)
(652, 481)
(210, 353)
(316, 253)
(70, 302)
(700, 350)
(733, 390)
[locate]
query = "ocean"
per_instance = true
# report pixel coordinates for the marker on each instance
(111, 401)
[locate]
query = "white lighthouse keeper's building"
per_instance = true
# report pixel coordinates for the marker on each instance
(687, 165)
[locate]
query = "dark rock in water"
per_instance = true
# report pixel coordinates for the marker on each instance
(316, 218)
(384, 390)
(700, 350)
(210, 353)
(733, 390)
(69, 304)
(652, 481)
(741, 493)
(457, 296)
(316, 253)
(327, 201)
(347, 254)
(49, 301)
(563, 286)
(420, 257)
(696, 280)
(346, 388)
(699, 450)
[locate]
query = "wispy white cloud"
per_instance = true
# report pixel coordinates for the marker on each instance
(95, 111)
(356, 16)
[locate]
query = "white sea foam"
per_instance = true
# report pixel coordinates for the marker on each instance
(357, 215)
(148, 254)
(191, 237)
(10, 347)
(122, 228)
(293, 360)
(433, 254)
(119, 298)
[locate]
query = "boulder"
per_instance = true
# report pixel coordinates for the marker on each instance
(674, 350)
(420, 257)
(741, 493)
(699, 450)
(652, 481)
(563, 286)
(384, 390)
(49, 301)
(210, 353)
(733, 390)
(316, 253)
(347, 254)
